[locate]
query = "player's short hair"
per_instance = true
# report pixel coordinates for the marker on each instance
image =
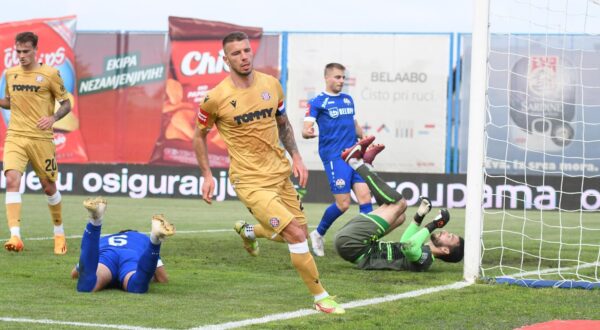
(456, 253)
(234, 36)
(126, 230)
(333, 65)
(27, 36)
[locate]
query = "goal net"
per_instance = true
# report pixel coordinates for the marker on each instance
(540, 193)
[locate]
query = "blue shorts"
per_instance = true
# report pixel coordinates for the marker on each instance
(341, 176)
(120, 261)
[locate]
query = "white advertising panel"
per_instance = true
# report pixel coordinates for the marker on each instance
(399, 87)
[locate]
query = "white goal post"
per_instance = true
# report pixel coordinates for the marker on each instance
(473, 213)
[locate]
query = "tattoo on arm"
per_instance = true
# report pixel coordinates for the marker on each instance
(63, 110)
(286, 134)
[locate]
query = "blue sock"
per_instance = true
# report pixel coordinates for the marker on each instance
(366, 208)
(331, 213)
(88, 259)
(140, 281)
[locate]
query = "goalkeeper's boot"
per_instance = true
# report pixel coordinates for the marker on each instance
(318, 243)
(251, 245)
(357, 150)
(96, 206)
(14, 244)
(161, 227)
(329, 306)
(60, 244)
(371, 152)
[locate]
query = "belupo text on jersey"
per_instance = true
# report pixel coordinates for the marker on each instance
(335, 112)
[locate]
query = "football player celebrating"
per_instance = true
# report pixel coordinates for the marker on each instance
(247, 108)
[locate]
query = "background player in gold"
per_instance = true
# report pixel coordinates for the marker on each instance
(247, 108)
(31, 92)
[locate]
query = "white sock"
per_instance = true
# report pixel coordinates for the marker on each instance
(15, 231)
(154, 239)
(59, 230)
(54, 199)
(249, 232)
(12, 197)
(321, 296)
(355, 163)
(95, 222)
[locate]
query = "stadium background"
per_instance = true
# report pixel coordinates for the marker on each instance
(136, 96)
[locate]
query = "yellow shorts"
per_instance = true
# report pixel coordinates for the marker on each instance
(274, 206)
(18, 151)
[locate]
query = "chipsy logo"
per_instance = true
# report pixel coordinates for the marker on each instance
(201, 63)
(122, 71)
(52, 58)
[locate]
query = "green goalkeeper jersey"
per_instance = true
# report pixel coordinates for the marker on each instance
(359, 242)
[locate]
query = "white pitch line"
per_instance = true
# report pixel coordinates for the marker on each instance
(349, 305)
(261, 320)
(178, 232)
(77, 324)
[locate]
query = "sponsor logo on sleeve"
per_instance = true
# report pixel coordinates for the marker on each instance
(203, 117)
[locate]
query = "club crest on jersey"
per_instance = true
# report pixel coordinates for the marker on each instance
(340, 183)
(346, 101)
(266, 96)
(333, 112)
(39, 79)
(274, 222)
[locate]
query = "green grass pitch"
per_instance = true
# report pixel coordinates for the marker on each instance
(214, 281)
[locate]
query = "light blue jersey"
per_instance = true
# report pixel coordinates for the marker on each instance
(334, 115)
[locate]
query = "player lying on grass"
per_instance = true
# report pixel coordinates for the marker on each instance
(127, 260)
(359, 241)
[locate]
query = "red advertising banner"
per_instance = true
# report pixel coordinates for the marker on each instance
(55, 48)
(196, 66)
(121, 82)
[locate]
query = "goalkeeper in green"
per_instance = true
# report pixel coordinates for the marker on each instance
(359, 241)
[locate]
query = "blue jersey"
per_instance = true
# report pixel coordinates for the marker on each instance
(131, 240)
(334, 114)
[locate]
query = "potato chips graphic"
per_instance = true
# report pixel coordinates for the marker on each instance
(174, 91)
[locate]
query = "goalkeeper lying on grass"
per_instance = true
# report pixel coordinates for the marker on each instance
(359, 241)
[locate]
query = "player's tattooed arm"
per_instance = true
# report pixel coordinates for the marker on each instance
(286, 134)
(63, 110)
(46, 122)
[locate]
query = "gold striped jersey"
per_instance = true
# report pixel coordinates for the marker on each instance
(32, 96)
(245, 118)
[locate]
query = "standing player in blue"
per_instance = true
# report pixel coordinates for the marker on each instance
(127, 260)
(333, 111)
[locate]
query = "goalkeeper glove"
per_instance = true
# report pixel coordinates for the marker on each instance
(440, 221)
(424, 208)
